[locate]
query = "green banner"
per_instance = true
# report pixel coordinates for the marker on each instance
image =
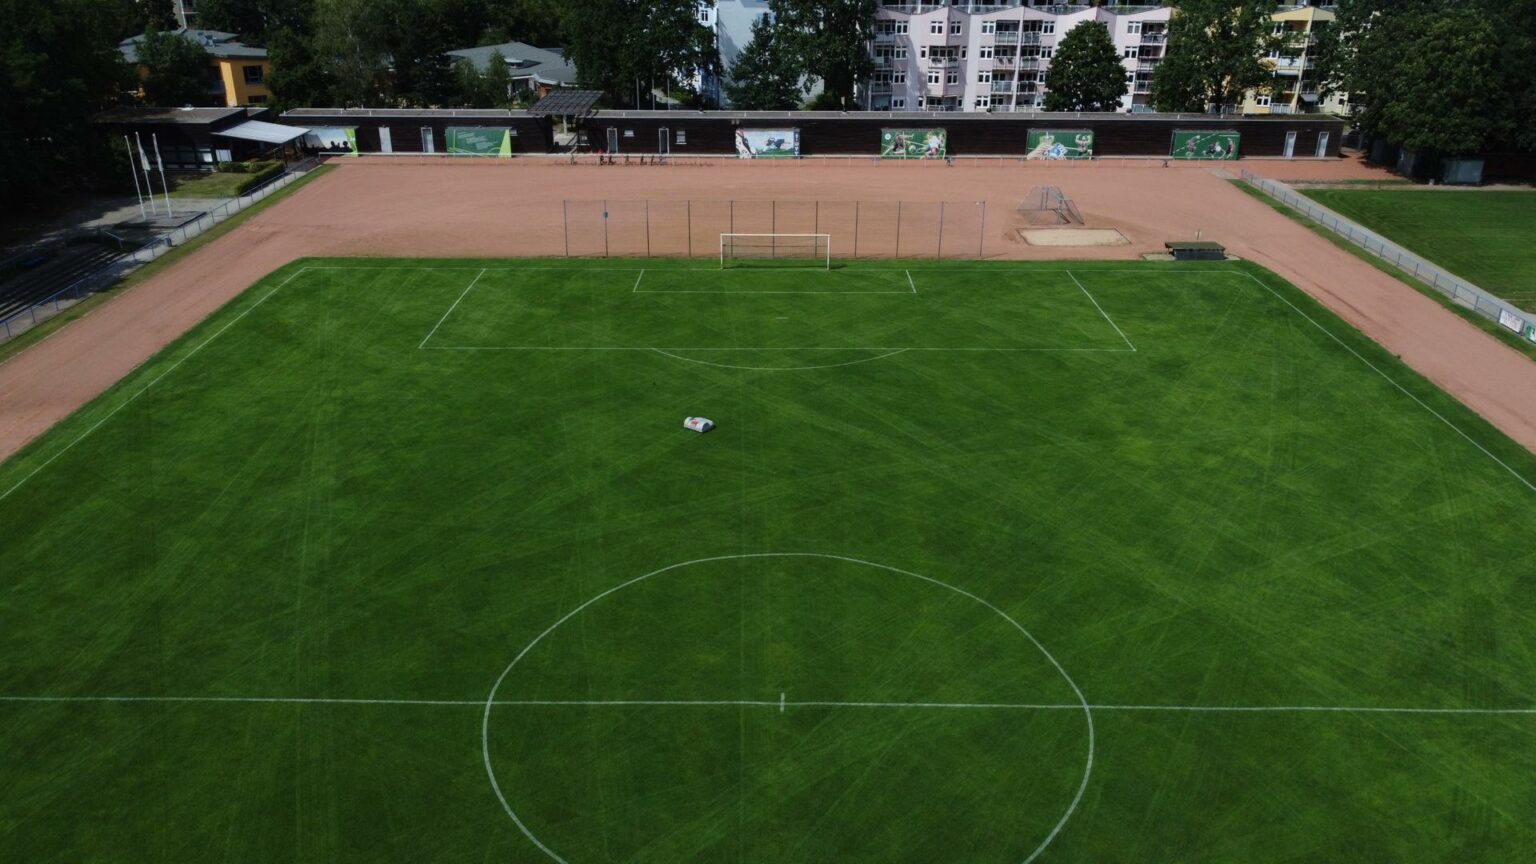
(1190, 144)
(1055, 144)
(1530, 332)
(479, 141)
(913, 144)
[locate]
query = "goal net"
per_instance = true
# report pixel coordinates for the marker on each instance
(808, 250)
(1048, 205)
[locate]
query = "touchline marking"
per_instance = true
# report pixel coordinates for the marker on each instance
(636, 289)
(1101, 311)
(909, 280)
(1374, 368)
(433, 331)
(891, 350)
(782, 704)
(145, 389)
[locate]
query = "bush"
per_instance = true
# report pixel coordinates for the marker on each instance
(261, 172)
(246, 167)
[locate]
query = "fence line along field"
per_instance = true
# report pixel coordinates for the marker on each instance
(414, 560)
(1483, 236)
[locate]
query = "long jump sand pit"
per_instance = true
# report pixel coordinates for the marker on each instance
(1073, 237)
(496, 208)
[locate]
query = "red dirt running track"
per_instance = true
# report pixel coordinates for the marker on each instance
(492, 209)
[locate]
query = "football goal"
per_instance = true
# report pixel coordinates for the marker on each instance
(745, 250)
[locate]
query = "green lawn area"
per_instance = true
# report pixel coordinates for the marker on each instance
(414, 560)
(1481, 236)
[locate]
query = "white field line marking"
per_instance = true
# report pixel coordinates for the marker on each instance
(1002, 268)
(433, 331)
(1101, 311)
(1374, 368)
(490, 699)
(781, 703)
(869, 359)
(763, 293)
(145, 389)
(910, 282)
(891, 350)
(636, 289)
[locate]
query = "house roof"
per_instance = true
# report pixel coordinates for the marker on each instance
(576, 102)
(216, 42)
(544, 65)
(136, 115)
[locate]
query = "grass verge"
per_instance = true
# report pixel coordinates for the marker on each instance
(1397, 273)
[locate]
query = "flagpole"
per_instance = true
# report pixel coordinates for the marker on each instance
(155, 137)
(144, 164)
(135, 175)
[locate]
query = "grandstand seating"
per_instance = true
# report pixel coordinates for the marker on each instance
(32, 280)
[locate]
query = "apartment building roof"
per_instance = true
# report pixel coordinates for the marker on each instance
(544, 65)
(226, 46)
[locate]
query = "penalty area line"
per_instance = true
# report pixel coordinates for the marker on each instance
(433, 331)
(1096, 305)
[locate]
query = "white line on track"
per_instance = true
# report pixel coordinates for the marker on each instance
(471, 287)
(782, 704)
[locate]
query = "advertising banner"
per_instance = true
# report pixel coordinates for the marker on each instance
(479, 141)
(768, 143)
(1190, 144)
(1055, 144)
(1530, 332)
(913, 144)
(332, 140)
(1511, 322)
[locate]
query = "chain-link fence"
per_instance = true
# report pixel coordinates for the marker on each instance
(692, 229)
(1460, 290)
(111, 271)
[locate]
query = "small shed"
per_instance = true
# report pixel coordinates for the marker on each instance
(1196, 250)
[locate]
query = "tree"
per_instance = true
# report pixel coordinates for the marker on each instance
(1086, 73)
(59, 65)
(624, 46)
(177, 71)
(298, 78)
(827, 40)
(484, 88)
(762, 78)
(256, 21)
(1434, 75)
(352, 44)
(1214, 51)
(536, 22)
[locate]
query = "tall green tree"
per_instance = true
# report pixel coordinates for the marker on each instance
(351, 42)
(59, 65)
(1086, 73)
(1435, 75)
(535, 22)
(256, 21)
(490, 87)
(1214, 51)
(763, 78)
(624, 47)
(828, 40)
(177, 71)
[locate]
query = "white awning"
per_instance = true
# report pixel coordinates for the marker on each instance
(267, 133)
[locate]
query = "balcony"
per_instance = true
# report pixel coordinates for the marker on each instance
(1153, 37)
(1014, 37)
(880, 87)
(885, 38)
(1004, 86)
(1146, 66)
(943, 62)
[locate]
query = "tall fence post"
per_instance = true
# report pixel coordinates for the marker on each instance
(855, 230)
(898, 229)
(981, 242)
(565, 222)
(941, 229)
(647, 227)
(816, 220)
(689, 202)
(733, 215)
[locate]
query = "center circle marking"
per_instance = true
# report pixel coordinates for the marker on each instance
(490, 699)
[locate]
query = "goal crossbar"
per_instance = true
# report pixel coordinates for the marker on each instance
(813, 249)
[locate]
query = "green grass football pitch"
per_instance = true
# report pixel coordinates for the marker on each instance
(414, 561)
(1484, 237)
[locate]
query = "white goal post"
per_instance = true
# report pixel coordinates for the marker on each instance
(809, 249)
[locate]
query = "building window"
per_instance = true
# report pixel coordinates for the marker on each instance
(1048, 28)
(936, 28)
(899, 102)
(922, 52)
(899, 77)
(984, 76)
(1133, 28)
(259, 99)
(1130, 53)
(933, 77)
(922, 103)
(1262, 100)
(900, 52)
(682, 136)
(988, 28)
(901, 28)
(984, 52)
(253, 74)
(954, 28)
(1046, 52)
(953, 77)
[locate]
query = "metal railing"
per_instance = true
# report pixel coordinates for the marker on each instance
(1462, 292)
(111, 271)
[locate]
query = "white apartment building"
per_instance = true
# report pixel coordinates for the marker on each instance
(992, 56)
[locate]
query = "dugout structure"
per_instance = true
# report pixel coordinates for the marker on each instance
(1048, 205)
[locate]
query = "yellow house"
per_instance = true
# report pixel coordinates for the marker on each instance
(1296, 90)
(237, 74)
